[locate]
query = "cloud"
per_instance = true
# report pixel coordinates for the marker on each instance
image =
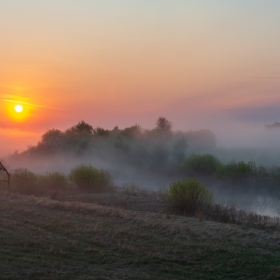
(19, 100)
(266, 114)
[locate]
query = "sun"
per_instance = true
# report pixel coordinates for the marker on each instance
(18, 108)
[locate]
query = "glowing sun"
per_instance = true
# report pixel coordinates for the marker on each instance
(18, 108)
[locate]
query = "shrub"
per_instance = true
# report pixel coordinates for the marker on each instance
(201, 164)
(53, 181)
(24, 181)
(233, 215)
(188, 196)
(239, 170)
(88, 178)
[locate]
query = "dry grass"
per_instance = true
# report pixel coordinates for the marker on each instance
(133, 189)
(232, 215)
(48, 239)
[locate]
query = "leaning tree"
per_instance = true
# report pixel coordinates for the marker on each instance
(4, 175)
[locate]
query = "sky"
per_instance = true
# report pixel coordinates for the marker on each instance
(201, 64)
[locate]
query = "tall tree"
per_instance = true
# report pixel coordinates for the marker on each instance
(162, 124)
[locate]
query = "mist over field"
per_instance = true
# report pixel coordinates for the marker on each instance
(153, 158)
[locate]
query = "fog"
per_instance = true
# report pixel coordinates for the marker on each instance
(153, 158)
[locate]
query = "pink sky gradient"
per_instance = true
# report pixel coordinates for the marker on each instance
(125, 62)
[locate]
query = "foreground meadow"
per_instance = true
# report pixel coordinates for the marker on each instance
(124, 236)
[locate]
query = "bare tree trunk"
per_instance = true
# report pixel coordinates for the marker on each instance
(7, 173)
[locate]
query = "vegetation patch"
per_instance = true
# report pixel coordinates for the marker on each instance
(233, 215)
(237, 170)
(188, 196)
(25, 181)
(201, 164)
(89, 178)
(53, 181)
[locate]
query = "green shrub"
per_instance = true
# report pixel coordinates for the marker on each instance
(238, 170)
(53, 181)
(88, 178)
(188, 196)
(24, 181)
(201, 164)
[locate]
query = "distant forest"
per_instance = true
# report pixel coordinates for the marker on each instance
(160, 151)
(159, 147)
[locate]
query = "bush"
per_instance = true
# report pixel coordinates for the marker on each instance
(88, 178)
(53, 181)
(24, 181)
(189, 196)
(232, 215)
(201, 164)
(239, 170)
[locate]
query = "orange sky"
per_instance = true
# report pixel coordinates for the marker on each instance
(125, 62)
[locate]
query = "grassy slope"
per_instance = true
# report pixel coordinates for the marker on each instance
(45, 239)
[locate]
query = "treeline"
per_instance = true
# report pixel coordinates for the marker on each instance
(238, 176)
(209, 165)
(156, 148)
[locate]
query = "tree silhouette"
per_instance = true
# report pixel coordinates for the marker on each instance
(82, 127)
(162, 124)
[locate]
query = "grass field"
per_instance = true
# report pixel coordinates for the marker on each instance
(124, 236)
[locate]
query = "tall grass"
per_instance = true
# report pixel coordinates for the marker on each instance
(53, 181)
(132, 188)
(27, 182)
(232, 215)
(189, 196)
(24, 181)
(89, 178)
(86, 177)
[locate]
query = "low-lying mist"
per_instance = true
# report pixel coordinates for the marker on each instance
(248, 178)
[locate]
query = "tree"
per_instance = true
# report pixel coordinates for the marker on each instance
(78, 137)
(4, 175)
(99, 131)
(52, 137)
(133, 131)
(81, 127)
(162, 124)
